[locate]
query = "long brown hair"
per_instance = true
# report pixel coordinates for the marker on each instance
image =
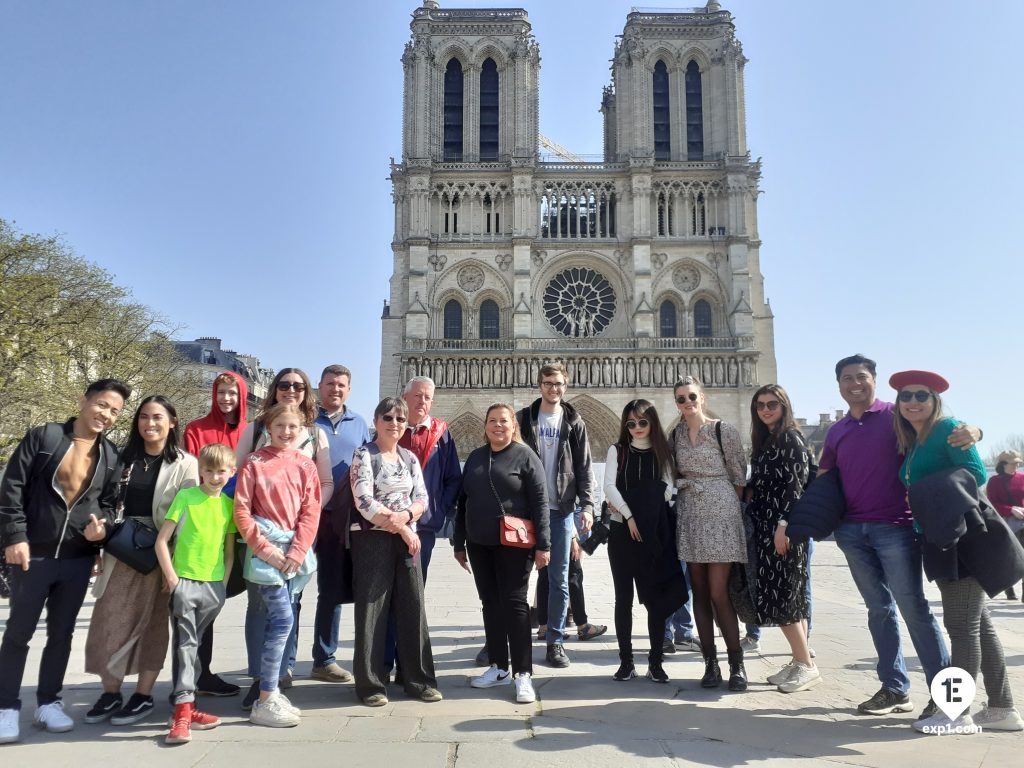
(906, 435)
(760, 435)
(659, 444)
(307, 408)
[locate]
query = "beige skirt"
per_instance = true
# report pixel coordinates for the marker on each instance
(129, 630)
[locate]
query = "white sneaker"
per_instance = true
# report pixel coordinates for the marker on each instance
(272, 713)
(287, 704)
(491, 677)
(783, 674)
(943, 726)
(801, 678)
(9, 732)
(750, 644)
(52, 717)
(997, 719)
(811, 653)
(524, 689)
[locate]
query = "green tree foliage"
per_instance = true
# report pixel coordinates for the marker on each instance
(63, 323)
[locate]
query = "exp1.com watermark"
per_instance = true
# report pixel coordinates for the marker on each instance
(953, 691)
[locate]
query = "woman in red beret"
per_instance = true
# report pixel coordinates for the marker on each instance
(922, 432)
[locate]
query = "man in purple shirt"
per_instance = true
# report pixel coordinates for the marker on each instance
(877, 536)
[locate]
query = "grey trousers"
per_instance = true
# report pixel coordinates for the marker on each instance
(385, 579)
(974, 644)
(194, 606)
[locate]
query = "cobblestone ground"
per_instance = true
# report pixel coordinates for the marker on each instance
(581, 715)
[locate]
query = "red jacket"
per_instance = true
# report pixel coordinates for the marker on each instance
(1006, 491)
(212, 428)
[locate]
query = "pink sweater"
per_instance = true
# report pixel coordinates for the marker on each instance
(1005, 492)
(282, 486)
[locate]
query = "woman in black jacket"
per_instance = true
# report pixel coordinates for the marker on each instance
(501, 478)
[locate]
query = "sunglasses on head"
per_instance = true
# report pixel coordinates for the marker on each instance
(389, 417)
(921, 395)
(771, 405)
(692, 397)
(641, 423)
(284, 386)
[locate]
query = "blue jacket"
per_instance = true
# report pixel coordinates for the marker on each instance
(442, 476)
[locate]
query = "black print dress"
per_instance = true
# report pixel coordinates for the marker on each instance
(780, 583)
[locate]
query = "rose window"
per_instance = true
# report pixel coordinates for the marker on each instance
(579, 302)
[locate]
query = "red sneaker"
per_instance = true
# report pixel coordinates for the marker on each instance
(181, 731)
(204, 721)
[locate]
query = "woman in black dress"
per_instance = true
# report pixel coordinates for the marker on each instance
(779, 570)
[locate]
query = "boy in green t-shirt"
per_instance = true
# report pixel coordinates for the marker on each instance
(201, 521)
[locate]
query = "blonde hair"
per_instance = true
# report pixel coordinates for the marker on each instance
(516, 437)
(216, 456)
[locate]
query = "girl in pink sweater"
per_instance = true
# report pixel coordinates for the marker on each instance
(277, 511)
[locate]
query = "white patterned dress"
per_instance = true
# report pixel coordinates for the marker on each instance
(710, 522)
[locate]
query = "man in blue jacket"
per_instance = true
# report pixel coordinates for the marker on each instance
(430, 441)
(58, 492)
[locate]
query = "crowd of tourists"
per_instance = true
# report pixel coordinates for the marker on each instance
(700, 531)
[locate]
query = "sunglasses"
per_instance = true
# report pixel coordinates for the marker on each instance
(284, 386)
(921, 395)
(692, 397)
(642, 423)
(771, 405)
(389, 418)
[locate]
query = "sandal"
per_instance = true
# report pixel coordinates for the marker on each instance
(589, 631)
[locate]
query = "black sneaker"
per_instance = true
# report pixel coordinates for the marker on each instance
(251, 695)
(656, 673)
(556, 656)
(214, 685)
(668, 646)
(930, 710)
(107, 705)
(136, 709)
(626, 671)
(886, 702)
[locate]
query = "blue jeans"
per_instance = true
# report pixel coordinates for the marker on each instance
(885, 562)
(679, 626)
(277, 630)
(754, 631)
(257, 626)
(562, 529)
(327, 620)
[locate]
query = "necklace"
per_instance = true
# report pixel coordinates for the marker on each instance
(147, 464)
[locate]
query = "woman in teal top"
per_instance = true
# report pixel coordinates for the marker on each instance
(921, 431)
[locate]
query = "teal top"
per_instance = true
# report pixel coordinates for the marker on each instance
(935, 454)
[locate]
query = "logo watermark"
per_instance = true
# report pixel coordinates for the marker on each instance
(953, 691)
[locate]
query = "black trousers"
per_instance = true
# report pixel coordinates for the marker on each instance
(60, 587)
(577, 600)
(502, 576)
(621, 564)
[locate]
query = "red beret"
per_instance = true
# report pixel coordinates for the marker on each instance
(933, 381)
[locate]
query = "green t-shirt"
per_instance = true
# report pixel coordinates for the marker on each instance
(205, 523)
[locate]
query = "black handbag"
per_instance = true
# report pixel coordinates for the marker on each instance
(599, 532)
(131, 541)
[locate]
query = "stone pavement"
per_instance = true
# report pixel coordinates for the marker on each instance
(581, 715)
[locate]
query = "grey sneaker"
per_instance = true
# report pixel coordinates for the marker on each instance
(999, 719)
(556, 656)
(783, 674)
(802, 678)
(272, 713)
(750, 644)
(690, 644)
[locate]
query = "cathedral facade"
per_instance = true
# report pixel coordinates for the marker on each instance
(633, 271)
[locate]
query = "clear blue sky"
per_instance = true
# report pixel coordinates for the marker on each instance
(228, 162)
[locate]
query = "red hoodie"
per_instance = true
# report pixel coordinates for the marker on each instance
(212, 428)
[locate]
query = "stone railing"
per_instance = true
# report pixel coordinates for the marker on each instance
(498, 370)
(590, 343)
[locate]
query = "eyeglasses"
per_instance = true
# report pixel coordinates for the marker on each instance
(284, 386)
(921, 395)
(692, 397)
(642, 424)
(771, 405)
(553, 384)
(389, 418)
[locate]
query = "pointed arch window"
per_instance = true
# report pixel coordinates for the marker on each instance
(702, 324)
(453, 320)
(662, 130)
(694, 113)
(453, 111)
(490, 324)
(489, 110)
(668, 317)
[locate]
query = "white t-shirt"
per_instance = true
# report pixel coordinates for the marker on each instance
(549, 428)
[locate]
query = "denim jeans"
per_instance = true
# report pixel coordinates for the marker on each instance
(276, 632)
(257, 626)
(562, 529)
(679, 625)
(327, 619)
(754, 631)
(885, 562)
